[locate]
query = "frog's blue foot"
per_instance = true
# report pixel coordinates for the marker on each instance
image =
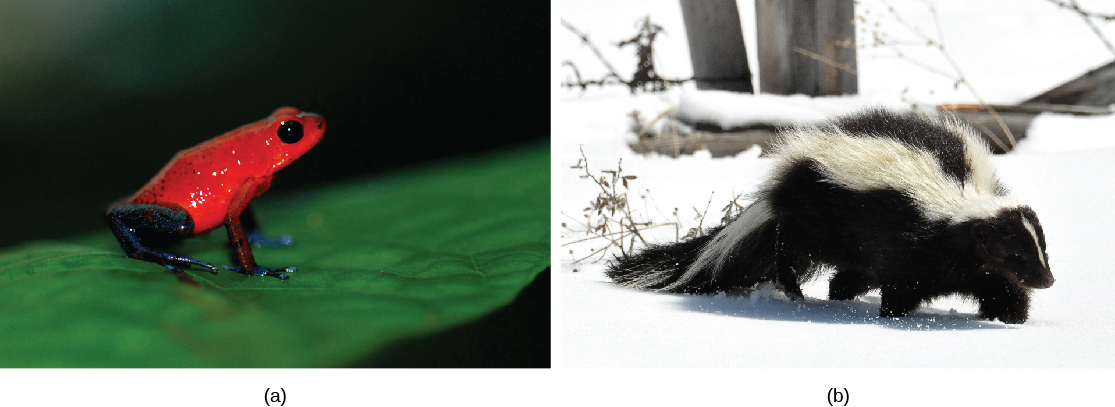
(265, 271)
(259, 239)
(171, 260)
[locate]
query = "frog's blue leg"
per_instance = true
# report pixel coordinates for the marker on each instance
(256, 236)
(134, 224)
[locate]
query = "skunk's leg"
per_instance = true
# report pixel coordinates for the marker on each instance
(849, 283)
(788, 265)
(1002, 299)
(898, 300)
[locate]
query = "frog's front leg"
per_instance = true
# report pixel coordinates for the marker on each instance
(241, 244)
(134, 224)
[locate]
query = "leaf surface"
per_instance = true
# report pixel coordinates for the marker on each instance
(378, 260)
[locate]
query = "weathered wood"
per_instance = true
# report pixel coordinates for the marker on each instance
(1095, 88)
(720, 144)
(1034, 108)
(716, 47)
(806, 47)
(1016, 117)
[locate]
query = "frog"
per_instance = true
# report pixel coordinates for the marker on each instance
(211, 185)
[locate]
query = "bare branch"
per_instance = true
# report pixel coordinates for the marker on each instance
(829, 61)
(615, 233)
(925, 66)
(1092, 25)
(960, 78)
(644, 77)
(585, 40)
(1072, 6)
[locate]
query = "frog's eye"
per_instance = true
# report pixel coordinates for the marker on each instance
(290, 132)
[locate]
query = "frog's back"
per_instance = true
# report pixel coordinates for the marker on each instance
(204, 180)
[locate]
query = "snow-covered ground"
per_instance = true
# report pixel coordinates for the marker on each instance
(1010, 50)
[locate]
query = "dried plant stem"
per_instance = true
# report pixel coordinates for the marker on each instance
(614, 233)
(644, 78)
(700, 225)
(602, 249)
(609, 216)
(939, 44)
(585, 41)
(1072, 5)
(927, 67)
(826, 60)
(660, 116)
(1092, 25)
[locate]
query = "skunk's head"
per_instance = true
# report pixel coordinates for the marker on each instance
(1012, 244)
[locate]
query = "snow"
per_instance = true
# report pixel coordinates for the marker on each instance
(729, 109)
(1008, 50)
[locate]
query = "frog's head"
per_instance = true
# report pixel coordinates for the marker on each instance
(295, 131)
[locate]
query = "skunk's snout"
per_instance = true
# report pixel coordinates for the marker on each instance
(1047, 282)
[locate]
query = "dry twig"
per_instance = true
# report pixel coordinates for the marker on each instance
(1088, 16)
(601, 220)
(645, 76)
(826, 60)
(939, 44)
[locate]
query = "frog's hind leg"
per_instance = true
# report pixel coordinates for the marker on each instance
(132, 224)
(256, 236)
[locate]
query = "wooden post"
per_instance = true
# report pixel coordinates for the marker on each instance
(1095, 88)
(716, 45)
(806, 47)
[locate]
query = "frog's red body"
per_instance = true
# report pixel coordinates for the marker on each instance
(211, 185)
(207, 179)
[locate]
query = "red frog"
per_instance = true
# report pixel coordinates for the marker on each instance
(211, 185)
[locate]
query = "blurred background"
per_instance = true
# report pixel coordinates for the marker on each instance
(96, 96)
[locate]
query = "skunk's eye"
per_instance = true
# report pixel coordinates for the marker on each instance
(290, 131)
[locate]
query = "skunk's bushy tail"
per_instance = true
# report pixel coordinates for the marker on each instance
(737, 255)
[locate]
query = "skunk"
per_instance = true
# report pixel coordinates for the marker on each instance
(902, 202)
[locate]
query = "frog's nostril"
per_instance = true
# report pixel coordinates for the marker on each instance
(320, 124)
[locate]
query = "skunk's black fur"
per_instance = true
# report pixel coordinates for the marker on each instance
(901, 202)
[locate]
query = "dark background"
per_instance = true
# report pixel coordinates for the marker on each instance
(97, 95)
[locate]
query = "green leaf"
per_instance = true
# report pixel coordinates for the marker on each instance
(378, 260)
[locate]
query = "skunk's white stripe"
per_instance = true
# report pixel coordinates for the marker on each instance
(716, 252)
(976, 154)
(872, 163)
(985, 208)
(1037, 244)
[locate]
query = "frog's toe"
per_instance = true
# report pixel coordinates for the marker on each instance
(175, 260)
(278, 273)
(264, 271)
(212, 268)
